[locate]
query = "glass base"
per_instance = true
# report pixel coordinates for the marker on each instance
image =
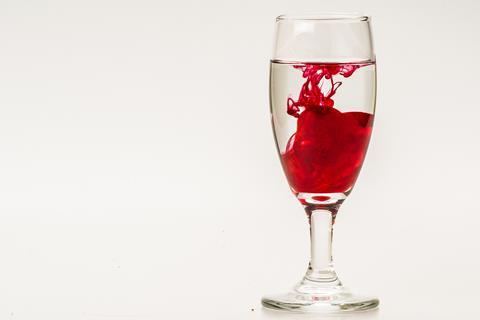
(332, 300)
(320, 290)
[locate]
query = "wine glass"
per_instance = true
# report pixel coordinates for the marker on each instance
(322, 101)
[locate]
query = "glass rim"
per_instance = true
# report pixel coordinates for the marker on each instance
(326, 16)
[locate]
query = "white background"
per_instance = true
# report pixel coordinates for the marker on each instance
(139, 179)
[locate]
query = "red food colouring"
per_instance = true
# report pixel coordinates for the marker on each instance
(321, 198)
(326, 152)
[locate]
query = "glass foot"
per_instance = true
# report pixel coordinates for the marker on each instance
(320, 290)
(334, 300)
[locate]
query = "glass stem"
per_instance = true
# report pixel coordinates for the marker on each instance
(321, 231)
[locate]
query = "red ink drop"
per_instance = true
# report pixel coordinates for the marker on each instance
(327, 151)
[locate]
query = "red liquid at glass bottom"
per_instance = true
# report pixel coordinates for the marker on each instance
(326, 153)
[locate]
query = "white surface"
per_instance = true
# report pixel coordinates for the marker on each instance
(139, 180)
